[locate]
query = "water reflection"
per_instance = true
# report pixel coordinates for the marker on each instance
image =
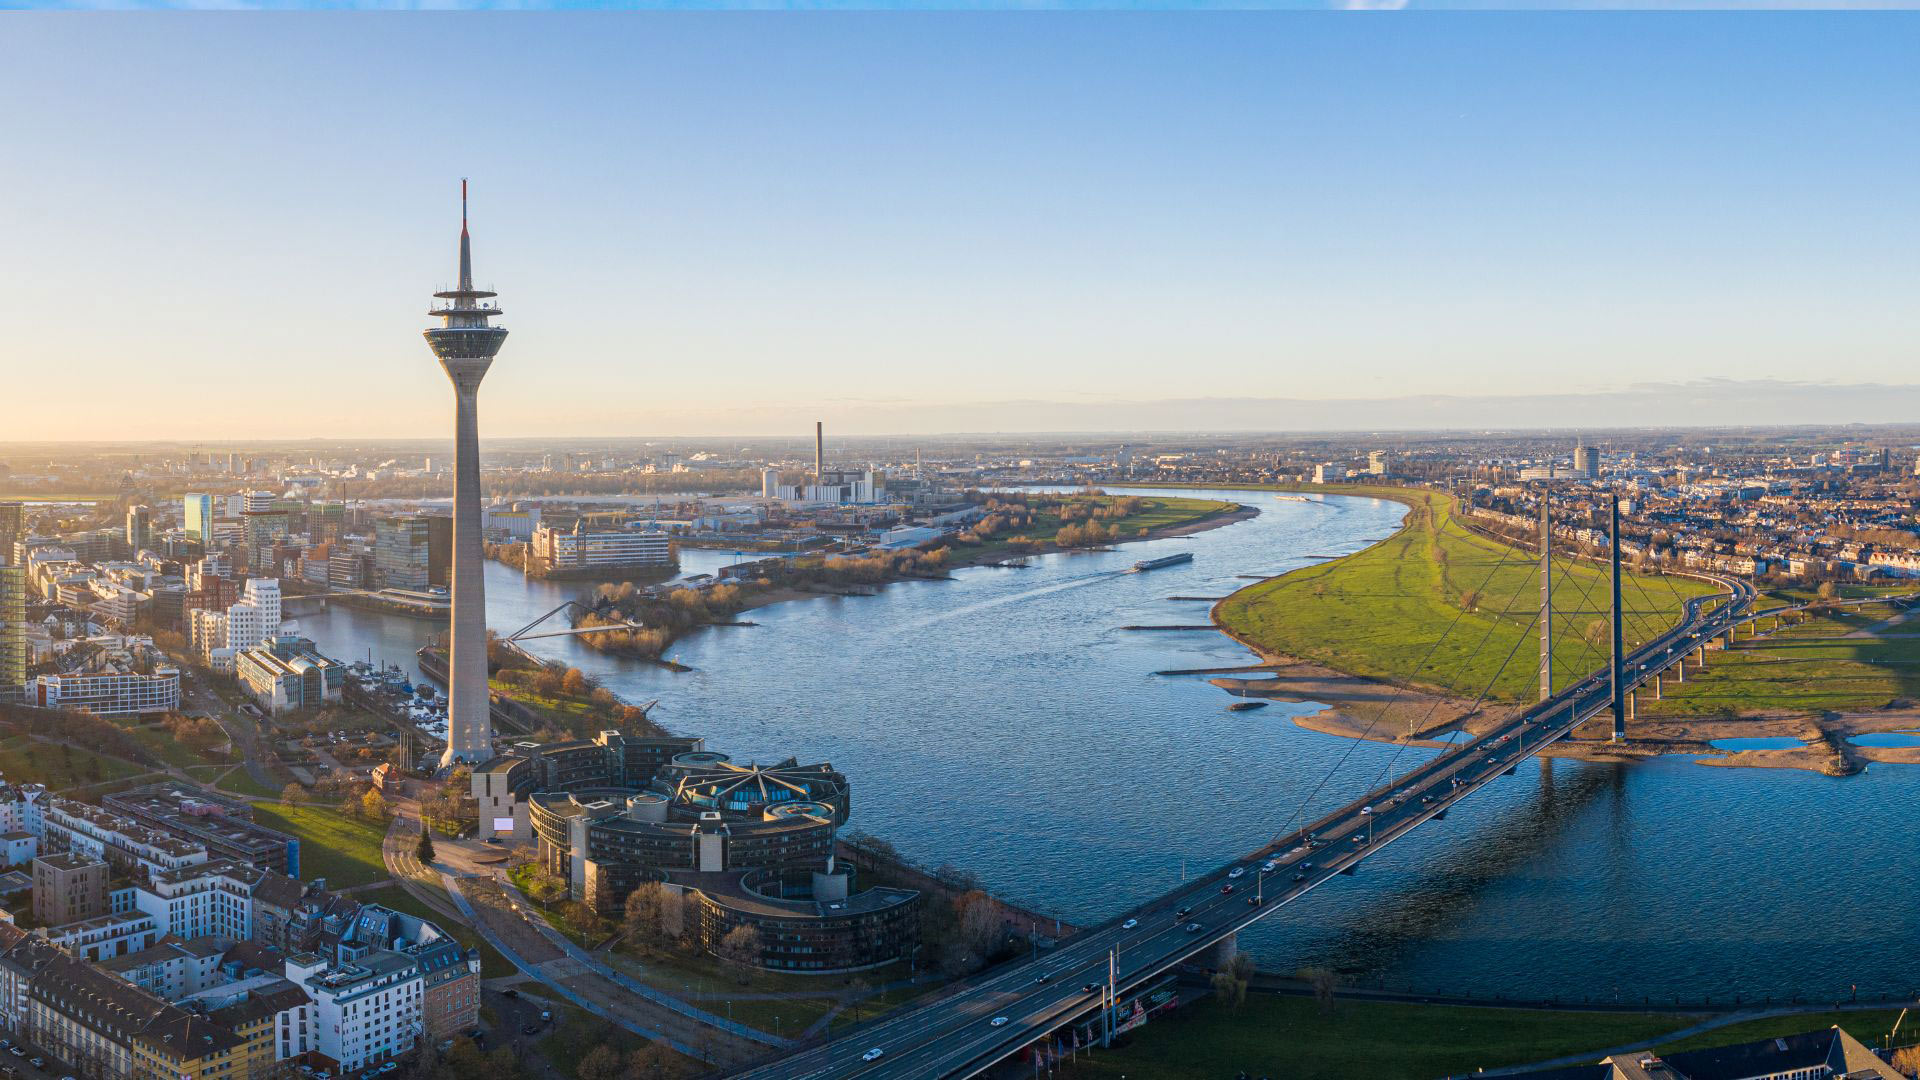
(1003, 722)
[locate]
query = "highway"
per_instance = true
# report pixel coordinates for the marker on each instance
(956, 1034)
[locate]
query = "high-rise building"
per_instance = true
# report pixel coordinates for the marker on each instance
(13, 626)
(139, 528)
(197, 511)
(13, 528)
(13, 599)
(1586, 462)
(466, 345)
(402, 552)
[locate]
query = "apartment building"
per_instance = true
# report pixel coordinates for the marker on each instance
(69, 887)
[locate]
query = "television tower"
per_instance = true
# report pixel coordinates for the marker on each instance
(466, 345)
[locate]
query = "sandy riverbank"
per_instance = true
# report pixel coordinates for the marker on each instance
(1362, 708)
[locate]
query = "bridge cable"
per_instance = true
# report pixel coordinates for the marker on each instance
(1494, 623)
(1400, 687)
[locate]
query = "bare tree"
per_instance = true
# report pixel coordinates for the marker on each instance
(741, 948)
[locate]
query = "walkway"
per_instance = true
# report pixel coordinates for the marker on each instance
(1709, 1024)
(587, 961)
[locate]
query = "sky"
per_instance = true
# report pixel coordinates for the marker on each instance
(229, 226)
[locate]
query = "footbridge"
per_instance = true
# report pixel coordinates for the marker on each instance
(976, 1024)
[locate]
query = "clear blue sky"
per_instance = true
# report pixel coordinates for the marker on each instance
(228, 226)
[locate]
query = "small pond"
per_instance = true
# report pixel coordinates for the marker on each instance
(1759, 742)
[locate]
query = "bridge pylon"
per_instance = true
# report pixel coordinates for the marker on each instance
(1619, 638)
(1546, 600)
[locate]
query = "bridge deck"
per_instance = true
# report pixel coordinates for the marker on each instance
(953, 1036)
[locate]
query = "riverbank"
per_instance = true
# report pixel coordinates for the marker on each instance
(1290, 1035)
(1338, 634)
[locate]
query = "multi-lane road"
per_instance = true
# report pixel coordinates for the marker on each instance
(967, 1030)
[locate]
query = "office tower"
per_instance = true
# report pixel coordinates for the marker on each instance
(412, 552)
(13, 598)
(1586, 462)
(197, 511)
(139, 528)
(466, 346)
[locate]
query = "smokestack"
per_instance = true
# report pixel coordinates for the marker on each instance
(819, 451)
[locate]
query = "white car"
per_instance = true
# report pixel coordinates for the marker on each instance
(997, 1021)
(1130, 924)
(1236, 871)
(872, 1055)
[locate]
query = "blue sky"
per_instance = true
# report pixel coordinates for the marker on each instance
(228, 226)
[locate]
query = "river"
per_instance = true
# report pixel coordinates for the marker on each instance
(1002, 722)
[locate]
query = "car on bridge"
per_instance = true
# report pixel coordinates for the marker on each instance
(1236, 871)
(1130, 924)
(873, 1055)
(1192, 928)
(997, 1021)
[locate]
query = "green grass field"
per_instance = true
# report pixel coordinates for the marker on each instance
(23, 760)
(1377, 613)
(1811, 667)
(684, 975)
(345, 851)
(1287, 1037)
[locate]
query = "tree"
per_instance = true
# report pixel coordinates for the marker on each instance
(1230, 982)
(1324, 982)
(423, 850)
(741, 948)
(600, 1063)
(652, 1062)
(979, 924)
(373, 805)
(655, 914)
(1906, 1061)
(573, 683)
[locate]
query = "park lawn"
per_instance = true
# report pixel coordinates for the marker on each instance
(1810, 667)
(576, 1032)
(161, 744)
(493, 965)
(1869, 1027)
(24, 760)
(685, 976)
(1378, 612)
(344, 850)
(1160, 512)
(1285, 1036)
(240, 782)
(562, 710)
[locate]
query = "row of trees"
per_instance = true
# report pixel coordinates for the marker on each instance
(1087, 535)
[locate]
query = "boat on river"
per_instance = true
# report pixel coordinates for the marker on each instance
(1165, 560)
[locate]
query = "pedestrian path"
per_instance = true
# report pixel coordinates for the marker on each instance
(574, 952)
(480, 926)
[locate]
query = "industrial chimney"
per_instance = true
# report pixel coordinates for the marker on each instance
(819, 452)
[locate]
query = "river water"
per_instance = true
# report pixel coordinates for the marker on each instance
(1004, 723)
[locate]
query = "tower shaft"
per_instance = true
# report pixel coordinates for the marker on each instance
(466, 345)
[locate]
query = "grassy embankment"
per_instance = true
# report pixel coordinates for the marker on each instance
(1289, 1037)
(346, 851)
(1811, 667)
(1158, 513)
(1378, 612)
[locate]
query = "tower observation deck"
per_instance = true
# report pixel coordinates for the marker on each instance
(466, 344)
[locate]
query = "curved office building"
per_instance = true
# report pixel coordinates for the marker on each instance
(747, 844)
